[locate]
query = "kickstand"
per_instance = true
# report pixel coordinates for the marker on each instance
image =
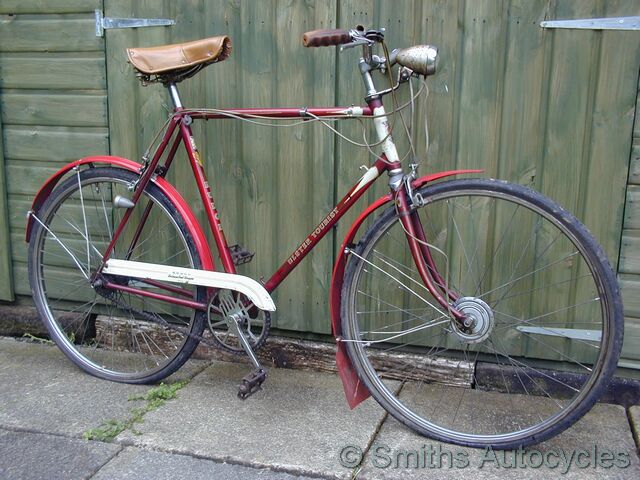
(252, 382)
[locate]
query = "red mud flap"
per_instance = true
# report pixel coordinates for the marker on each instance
(354, 389)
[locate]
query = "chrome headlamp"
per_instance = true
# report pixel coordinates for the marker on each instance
(422, 59)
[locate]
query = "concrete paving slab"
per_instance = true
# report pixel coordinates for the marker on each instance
(31, 456)
(42, 391)
(634, 420)
(298, 423)
(598, 446)
(137, 464)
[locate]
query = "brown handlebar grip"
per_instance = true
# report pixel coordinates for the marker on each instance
(326, 38)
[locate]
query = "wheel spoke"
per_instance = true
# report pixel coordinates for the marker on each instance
(120, 336)
(529, 282)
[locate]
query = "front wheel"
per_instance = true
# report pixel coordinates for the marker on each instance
(544, 315)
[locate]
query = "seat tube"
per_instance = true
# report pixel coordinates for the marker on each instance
(201, 180)
(175, 96)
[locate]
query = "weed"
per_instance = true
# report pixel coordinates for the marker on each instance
(38, 339)
(154, 398)
(107, 431)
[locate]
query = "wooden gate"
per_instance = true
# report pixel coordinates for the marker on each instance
(271, 185)
(54, 109)
(551, 109)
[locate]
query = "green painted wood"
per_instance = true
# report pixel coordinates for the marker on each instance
(527, 57)
(17, 208)
(6, 276)
(271, 186)
(630, 288)
(402, 31)
(49, 33)
(43, 144)
(53, 101)
(611, 127)
(540, 107)
(19, 255)
(572, 84)
(634, 169)
(48, 6)
(481, 86)
(530, 105)
(53, 108)
(48, 71)
(27, 179)
(21, 276)
(440, 25)
(606, 145)
(631, 346)
(630, 252)
(632, 207)
(21, 279)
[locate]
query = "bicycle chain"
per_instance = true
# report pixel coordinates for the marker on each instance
(110, 295)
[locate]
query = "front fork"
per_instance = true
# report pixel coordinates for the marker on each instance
(422, 257)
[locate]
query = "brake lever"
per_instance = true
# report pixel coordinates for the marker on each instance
(356, 42)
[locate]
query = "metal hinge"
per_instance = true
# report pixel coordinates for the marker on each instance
(103, 23)
(613, 23)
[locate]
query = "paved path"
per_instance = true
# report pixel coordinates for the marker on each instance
(297, 427)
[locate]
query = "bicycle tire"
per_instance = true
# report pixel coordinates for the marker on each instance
(103, 332)
(532, 373)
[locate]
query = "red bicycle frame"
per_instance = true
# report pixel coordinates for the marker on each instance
(179, 131)
(180, 128)
(181, 123)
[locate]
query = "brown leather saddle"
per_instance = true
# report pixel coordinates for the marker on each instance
(173, 63)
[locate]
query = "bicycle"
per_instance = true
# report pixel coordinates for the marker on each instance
(479, 277)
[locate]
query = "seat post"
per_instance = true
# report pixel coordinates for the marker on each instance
(175, 96)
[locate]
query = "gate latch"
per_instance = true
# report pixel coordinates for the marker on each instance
(103, 23)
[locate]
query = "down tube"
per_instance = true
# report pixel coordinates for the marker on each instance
(327, 223)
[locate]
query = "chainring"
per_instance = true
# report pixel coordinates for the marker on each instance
(255, 323)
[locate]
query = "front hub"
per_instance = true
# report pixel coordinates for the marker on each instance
(478, 322)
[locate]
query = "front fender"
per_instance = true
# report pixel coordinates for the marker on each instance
(354, 389)
(182, 206)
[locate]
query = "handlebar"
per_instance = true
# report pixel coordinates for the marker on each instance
(337, 36)
(419, 59)
(326, 38)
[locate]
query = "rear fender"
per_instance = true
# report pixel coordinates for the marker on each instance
(354, 389)
(182, 206)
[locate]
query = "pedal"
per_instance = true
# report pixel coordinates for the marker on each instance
(251, 383)
(240, 255)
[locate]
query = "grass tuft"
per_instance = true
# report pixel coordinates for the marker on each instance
(108, 430)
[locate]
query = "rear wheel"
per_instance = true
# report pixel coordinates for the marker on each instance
(541, 302)
(112, 334)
